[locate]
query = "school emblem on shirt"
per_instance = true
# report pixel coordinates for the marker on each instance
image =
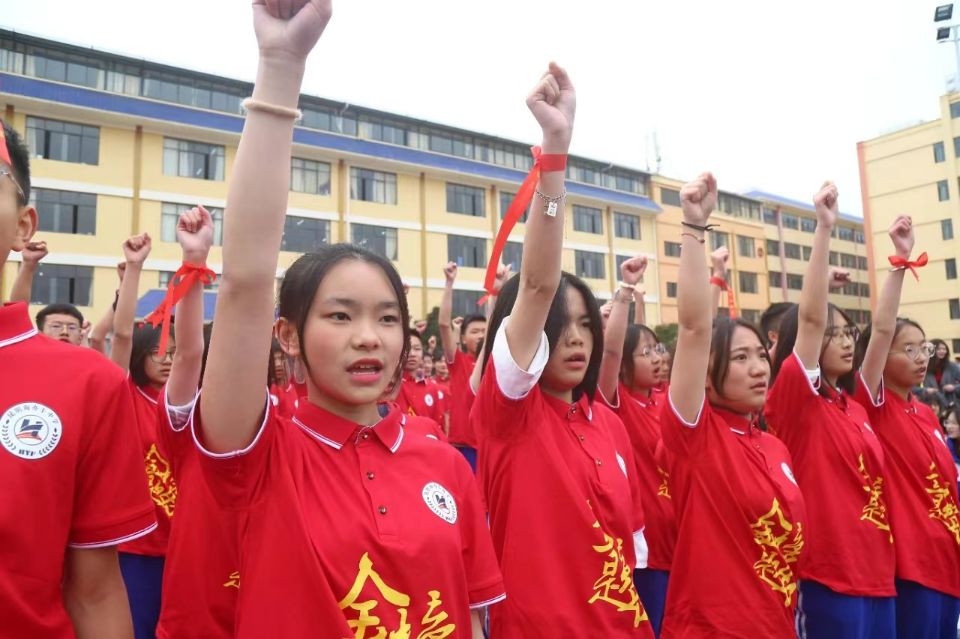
(789, 473)
(428, 399)
(441, 502)
(30, 430)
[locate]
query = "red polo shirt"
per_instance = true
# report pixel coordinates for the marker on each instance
(838, 462)
(662, 547)
(423, 426)
(201, 577)
(70, 467)
(555, 478)
(284, 399)
(382, 532)
(741, 529)
(641, 417)
(922, 489)
(423, 398)
(462, 397)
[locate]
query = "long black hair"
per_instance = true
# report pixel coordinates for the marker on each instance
(936, 364)
(302, 279)
(789, 326)
(630, 341)
(723, 330)
(557, 319)
(146, 338)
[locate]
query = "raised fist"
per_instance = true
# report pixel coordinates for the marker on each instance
(632, 270)
(136, 249)
(503, 274)
(195, 234)
(837, 278)
(121, 269)
(719, 259)
(450, 271)
(553, 103)
(420, 326)
(827, 204)
(698, 198)
(33, 252)
(456, 322)
(289, 29)
(901, 233)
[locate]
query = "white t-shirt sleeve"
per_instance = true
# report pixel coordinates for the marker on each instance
(514, 382)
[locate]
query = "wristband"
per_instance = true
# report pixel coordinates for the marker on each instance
(704, 228)
(720, 283)
(698, 239)
(274, 109)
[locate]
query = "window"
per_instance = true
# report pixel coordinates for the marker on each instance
(791, 251)
(466, 200)
(626, 226)
(862, 263)
(66, 211)
(304, 234)
(955, 110)
(373, 186)
(746, 247)
(465, 303)
(60, 284)
(794, 282)
(943, 191)
(192, 159)
(587, 219)
(748, 282)
(859, 237)
(864, 290)
(719, 239)
(383, 132)
(590, 264)
(834, 258)
(670, 197)
(851, 288)
(946, 229)
(954, 307)
(379, 239)
(848, 261)
(751, 315)
(308, 176)
(769, 216)
(773, 247)
(170, 214)
(807, 252)
(808, 224)
(60, 71)
(938, 152)
(513, 255)
(506, 199)
(956, 147)
(776, 278)
(63, 141)
(951, 266)
(671, 249)
(790, 221)
(671, 289)
(467, 251)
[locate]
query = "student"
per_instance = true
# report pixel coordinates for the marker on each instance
(630, 370)
(741, 520)
(460, 353)
(379, 533)
(847, 575)
(921, 478)
(427, 368)
(943, 377)
(73, 478)
(770, 324)
(62, 322)
(418, 395)
(282, 394)
(951, 429)
(553, 463)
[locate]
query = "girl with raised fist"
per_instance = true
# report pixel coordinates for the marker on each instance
(740, 515)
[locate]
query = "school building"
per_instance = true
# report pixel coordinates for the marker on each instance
(915, 171)
(120, 146)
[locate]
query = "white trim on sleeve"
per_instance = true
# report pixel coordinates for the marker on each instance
(813, 375)
(881, 397)
(488, 602)
(234, 453)
(178, 414)
(115, 542)
(641, 549)
(679, 416)
(514, 382)
(615, 404)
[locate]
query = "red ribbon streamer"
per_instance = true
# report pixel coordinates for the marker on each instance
(899, 262)
(721, 283)
(541, 162)
(188, 275)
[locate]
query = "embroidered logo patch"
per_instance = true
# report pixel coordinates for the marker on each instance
(441, 502)
(30, 430)
(428, 399)
(622, 464)
(789, 473)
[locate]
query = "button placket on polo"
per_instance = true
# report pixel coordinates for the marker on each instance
(370, 456)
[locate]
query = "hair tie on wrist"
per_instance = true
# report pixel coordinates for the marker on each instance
(704, 228)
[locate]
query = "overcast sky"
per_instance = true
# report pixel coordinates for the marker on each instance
(771, 95)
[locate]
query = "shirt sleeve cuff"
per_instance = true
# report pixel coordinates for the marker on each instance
(680, 418)
(234, 453)
(880, 398)
(614, 402)
(641, 548)
(178, 416)
(813, 375)
(514, 382)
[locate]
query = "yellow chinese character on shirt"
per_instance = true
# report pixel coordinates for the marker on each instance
(163, 488)
(233, 581)
(432, 622)
(615, 586)
(944, 507)
(875, 511)
(664, 489)
(780, 544)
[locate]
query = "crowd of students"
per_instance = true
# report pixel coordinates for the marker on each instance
(547, 468)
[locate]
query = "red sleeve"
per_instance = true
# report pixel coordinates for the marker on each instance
(875, 406)
(234, 477)
(111, 503)
(484, 580)
(679, 437)
(792, 395)
(173, 431)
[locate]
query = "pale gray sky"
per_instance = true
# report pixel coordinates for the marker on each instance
(773, 95)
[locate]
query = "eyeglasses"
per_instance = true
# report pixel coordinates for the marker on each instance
(6, 173)
(56, 327)
(916, 353)
(837, 334)
(159, 358)
(659, 349)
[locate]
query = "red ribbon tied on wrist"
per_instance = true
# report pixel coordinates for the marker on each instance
(900, 262)
(541, 162)
(180, 284)
(721, 283)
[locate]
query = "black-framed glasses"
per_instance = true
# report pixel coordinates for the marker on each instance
(8, 174)
(158, 358)
(918, 352)
(837, 334)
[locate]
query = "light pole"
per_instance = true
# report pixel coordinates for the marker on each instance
(949, 33)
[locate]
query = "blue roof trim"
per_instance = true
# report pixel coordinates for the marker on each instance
(152, 298)
(140, 107)
(806, 206)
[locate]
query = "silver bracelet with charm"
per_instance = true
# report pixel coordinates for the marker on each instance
(551, 202)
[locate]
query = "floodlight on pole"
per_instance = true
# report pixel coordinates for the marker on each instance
(943, 12)
(949, 33)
